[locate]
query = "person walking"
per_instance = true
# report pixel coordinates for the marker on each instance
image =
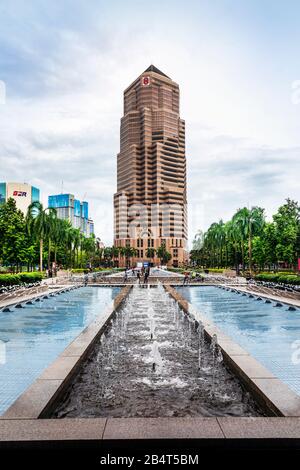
(186, 278)
(146, 275)
(138, 274)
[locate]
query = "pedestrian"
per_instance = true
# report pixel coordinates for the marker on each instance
(138, 274)
(146, 275)
(186, 278)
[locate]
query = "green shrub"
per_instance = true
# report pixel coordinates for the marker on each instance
(176, 270)
(289, 279)
(31, 277)
(15, 279)
(282, 278)
(280, 273)
(9, 279)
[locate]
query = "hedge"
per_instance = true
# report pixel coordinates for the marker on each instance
(176, 270)
(15, 279)
(283, 279)
(278, 273)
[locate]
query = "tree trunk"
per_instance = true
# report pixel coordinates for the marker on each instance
(243, 255)
(41, 254)
(250, 249)
(236, 261)
(49, 254)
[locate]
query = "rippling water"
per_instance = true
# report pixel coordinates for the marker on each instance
(147, 364)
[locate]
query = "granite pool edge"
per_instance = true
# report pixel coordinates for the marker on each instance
(275, 397)
(32, 432)
(39, 399)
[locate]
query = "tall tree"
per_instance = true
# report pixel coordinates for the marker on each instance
(287, 227)
(16, 247)
(163, 254)
(150, 253)
(39, 220)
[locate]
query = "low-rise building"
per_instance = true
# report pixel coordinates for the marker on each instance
(24, 194)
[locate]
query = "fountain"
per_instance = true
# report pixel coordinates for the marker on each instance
(201, 343)
(156, 358)
(153, 360)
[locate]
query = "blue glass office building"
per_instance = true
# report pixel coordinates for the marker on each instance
(77, 212)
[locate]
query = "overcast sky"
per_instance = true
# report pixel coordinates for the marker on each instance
(65, 64)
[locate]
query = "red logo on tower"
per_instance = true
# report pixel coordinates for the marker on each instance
(20, 193)
(145, 81)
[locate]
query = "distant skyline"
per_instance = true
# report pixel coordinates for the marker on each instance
(66, 63)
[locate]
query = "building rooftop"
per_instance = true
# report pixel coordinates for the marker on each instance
(152, 68)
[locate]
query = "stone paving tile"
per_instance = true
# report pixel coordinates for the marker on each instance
(78, 347)
(231, 348)
(162, 428)
(260, 428)
(52, 429)
(60, 369)
(251, 367)
(280, 394)
(33, 400)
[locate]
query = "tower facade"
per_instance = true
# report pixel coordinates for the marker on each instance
(150, 203)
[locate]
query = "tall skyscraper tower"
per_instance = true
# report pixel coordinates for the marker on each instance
(150, 203)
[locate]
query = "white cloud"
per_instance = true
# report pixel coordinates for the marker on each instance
(65, 77)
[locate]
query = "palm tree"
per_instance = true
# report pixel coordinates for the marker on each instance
(256, 224)
(122, 252)
(39, 221)
(233, 237)
(241, 223)
(163, 254)
(52, 220)
(71, 239)
(215, 239)
(107, 253)
(129, 253)
(90, 247)
(249, 222)
(114, 253)
(76, 245)
(58, 235)
(150, 253)
(99, 250)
